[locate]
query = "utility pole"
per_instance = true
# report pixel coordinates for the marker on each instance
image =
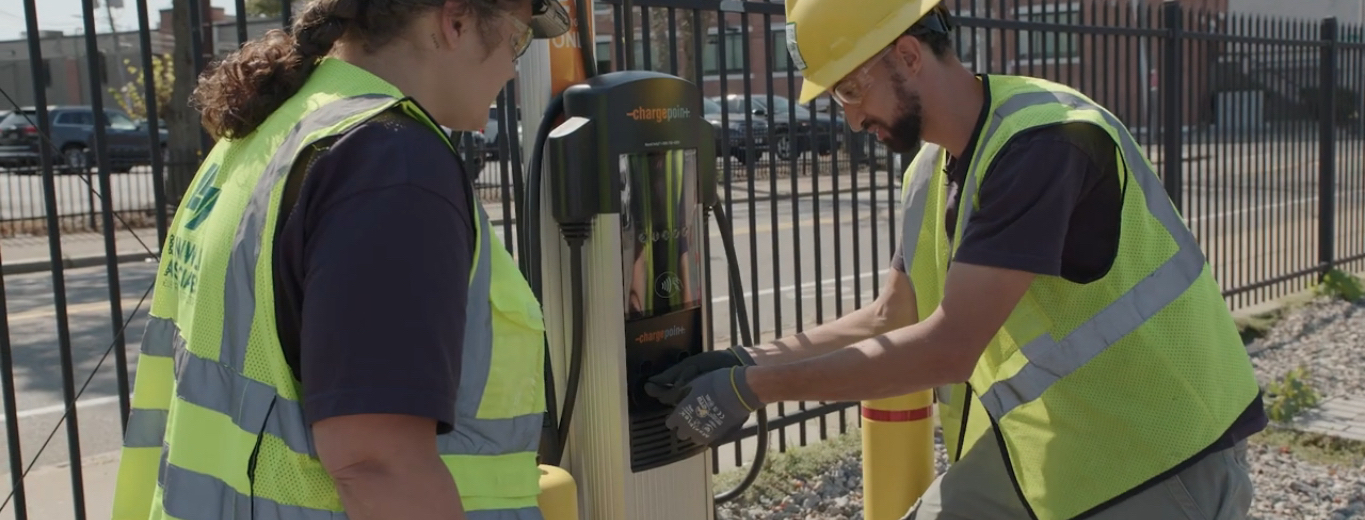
(109, 6)
(1146, 73)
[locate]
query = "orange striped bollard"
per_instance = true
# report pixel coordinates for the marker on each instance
(898, 453)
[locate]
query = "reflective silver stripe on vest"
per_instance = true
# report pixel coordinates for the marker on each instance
(146, 428)
(912, 219)
(157, 337)
(1049, 359)
(202, 496)
(526, 513)
(472, 436)
(239, 290)
(192, 495)
(913, 204)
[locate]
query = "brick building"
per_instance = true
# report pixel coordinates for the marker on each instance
(1118, 68)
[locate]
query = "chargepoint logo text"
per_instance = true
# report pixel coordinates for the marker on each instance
(660, 335)
(659, 115)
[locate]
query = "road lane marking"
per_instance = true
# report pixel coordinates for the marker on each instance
(59, 408)
(128, 304)
(1235, 212)
(804, 286)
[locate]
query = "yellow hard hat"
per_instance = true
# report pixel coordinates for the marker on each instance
(827, 39)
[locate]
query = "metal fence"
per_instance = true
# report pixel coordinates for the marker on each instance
(1232, 108)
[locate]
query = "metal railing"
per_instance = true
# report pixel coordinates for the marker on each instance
(1230, 107)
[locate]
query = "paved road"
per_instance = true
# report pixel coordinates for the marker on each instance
(34, 341)
(802, 262)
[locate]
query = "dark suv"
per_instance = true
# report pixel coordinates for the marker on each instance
(72, 143)
(821, 133)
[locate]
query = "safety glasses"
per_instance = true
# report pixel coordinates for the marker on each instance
(521, 36)
(851, 89)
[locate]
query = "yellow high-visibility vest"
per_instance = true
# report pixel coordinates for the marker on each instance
(1090, 389)
(217, 429)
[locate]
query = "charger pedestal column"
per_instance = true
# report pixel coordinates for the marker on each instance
(630, 169)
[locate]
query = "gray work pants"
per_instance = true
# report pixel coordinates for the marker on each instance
(977, 487)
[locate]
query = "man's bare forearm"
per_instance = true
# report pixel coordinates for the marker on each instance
(383, 490)
(856, 326)
(828, 337)
(896, 363)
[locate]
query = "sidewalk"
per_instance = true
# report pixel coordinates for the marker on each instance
(30, 254)
(1342, 416)
(47, 490)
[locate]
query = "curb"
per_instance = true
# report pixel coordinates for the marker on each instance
(1273, 309)
(70, 262)
(38, 265)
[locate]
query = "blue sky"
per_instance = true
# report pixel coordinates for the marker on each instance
(65, 15)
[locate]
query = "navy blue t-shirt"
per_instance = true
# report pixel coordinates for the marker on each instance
(372, 271)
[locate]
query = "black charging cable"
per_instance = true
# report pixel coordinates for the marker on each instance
(555, 431)
(727, 239)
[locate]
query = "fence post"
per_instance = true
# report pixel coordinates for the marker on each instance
(1327, 148)
(1171, 76)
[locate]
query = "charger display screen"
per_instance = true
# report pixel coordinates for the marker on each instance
(661, 232)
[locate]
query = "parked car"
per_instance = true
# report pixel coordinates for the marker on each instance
(494, 136)
(745, 146)
(471, 146)
(72, 142)
(819, 132)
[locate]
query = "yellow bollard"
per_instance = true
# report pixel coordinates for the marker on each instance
(558, 494)
(898, 453)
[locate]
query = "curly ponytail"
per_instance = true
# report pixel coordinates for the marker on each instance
(238, 93)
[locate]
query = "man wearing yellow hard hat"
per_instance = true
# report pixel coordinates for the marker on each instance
(1085, 362)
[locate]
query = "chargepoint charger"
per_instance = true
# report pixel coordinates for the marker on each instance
(630, 183)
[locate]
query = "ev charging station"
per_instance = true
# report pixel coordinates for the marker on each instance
(619, 185)
(628, 177)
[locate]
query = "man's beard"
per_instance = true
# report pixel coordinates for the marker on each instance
(903, 134)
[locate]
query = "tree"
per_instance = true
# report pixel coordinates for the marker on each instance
(182, 122)
(661, 53)
(130, 95)
(267, 8)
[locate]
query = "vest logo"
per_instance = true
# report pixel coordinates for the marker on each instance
(203, 198)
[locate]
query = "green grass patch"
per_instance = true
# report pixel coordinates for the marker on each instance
(1256, 325)
(1291, 395)
(783, 472)
(1312, 447)
(1341, 285)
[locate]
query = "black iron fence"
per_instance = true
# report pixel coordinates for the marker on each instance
(1253, 121)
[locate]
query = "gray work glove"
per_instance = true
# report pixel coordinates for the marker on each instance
(716, 405)
(669, 386)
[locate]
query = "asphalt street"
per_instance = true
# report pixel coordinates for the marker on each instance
(846, 277)
(802, 262)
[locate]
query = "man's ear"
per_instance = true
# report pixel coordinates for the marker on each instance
(910, 50)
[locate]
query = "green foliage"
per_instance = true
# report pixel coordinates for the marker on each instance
(1291, 395)
(130, 97)
(269, 7)
(1340, 284)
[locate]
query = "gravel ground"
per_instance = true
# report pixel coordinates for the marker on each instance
(1325, 336)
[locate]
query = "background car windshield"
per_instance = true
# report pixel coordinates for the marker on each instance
(781, 105)
(710, 107)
